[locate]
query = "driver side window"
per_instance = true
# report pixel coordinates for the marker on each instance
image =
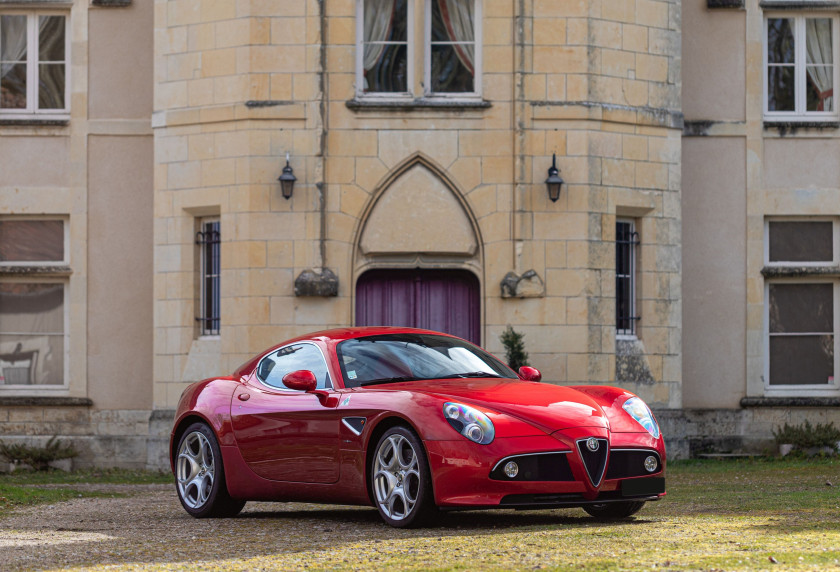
(293, 358)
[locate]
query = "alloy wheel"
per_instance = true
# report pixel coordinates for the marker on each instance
(396, 477)
(196, 470)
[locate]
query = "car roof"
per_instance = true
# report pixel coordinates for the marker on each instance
(334, 336)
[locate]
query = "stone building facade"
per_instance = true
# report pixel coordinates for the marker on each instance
(760, 181)
(76, 211)
(420, 134)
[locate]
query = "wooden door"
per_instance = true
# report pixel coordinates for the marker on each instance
(443, 300)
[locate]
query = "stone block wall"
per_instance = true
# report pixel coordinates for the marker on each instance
(597, 83)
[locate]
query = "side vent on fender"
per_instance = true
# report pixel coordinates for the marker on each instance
(593, 452)
(355, 424)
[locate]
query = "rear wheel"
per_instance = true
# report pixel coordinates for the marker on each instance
(200, 475)
(614, 509)
(401, 480)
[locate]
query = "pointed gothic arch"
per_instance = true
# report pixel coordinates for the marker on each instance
(417, 210)
(418, 222)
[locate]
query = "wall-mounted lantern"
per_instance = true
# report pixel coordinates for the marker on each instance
(287, 180)
(553, 182)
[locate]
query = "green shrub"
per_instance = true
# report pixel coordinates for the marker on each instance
(807, 436)
(514, 348)
(39, 458)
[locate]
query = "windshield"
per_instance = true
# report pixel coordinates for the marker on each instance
(391, 358)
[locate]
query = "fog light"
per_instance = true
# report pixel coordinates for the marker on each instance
(651, 464)
(511, 469)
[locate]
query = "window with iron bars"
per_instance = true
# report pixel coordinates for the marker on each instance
(626, 243)
(209, 239)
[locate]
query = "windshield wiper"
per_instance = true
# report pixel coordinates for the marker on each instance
(469, 374)
(387, 380)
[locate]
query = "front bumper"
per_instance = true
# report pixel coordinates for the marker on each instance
(466, 475)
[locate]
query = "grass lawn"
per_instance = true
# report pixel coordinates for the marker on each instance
(22, 488)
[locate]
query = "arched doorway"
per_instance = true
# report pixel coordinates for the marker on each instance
(444, 300)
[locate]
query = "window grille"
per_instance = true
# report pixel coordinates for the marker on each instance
(209, 241)
(626, 241)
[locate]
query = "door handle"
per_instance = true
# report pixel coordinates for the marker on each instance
(244, 396)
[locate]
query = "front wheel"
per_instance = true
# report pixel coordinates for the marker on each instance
(200, 475)
(614, 509)
(401, 480)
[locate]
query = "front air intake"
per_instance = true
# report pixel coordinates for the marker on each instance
(593, 452)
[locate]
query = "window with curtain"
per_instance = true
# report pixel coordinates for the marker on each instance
(450, 52)
(33, 63)
(32, 333)
(387, 49)
(800, 51)
(32, 308)
(801, 318)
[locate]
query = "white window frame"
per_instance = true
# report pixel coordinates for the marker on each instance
(427, 56)
(32, 68)
(801, 390)
(835, 240)
(360, 56)
(29, 389)
(632, 332)
(800, 73)
(65, 261)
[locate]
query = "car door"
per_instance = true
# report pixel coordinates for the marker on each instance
(287, 435)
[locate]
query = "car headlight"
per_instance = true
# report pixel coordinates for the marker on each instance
(638, 410)
(470, 422)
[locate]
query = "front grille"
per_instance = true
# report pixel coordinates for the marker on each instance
(594, 461)
(538, 467)
(630, 463)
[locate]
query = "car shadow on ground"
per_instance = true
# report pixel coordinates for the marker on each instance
(446, 521)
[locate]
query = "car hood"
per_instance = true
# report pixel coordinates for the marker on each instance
(551, 407)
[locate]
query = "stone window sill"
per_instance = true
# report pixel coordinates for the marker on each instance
(800, 271)
(44, 401)
(791, 127)
(729, 4)
(790, 402)
(797, 5)
(33, 121)
(416, 104)
(58, 271)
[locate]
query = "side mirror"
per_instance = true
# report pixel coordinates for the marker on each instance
(529, 373)
(301, 380)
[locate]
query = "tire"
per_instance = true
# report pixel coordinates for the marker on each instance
(614, 509)
(200, 475)
(400, 479)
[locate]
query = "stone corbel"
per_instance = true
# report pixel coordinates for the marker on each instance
(323, 283)
(529, 285)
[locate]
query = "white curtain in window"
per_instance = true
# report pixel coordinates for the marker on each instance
(12, 42)
(819, 44)
(459, 19)
(379, 15)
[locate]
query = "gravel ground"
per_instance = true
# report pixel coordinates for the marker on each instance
(150, 530)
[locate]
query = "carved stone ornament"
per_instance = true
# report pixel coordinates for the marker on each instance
(315, 283)
(529, 285)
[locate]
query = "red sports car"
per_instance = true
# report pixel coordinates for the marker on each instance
(411, 422)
